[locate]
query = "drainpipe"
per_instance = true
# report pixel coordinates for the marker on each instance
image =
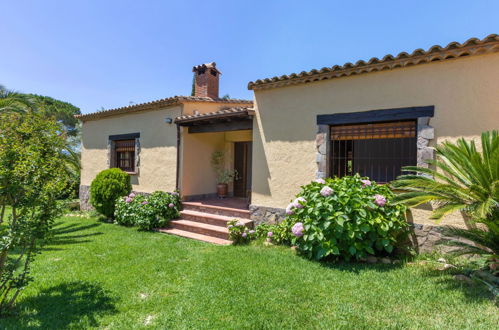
(178, 158)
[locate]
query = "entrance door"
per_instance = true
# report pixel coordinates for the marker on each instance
(242, 165)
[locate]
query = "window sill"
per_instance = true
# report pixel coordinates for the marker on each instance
(131, 173)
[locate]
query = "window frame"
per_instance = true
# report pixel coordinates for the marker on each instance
(114, 155)
(378, 133)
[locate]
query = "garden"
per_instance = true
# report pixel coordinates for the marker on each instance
(62, 268)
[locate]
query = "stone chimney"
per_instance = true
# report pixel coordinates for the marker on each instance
(206, 78)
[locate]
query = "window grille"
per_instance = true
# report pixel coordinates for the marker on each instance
(125, 155)
(376, 150)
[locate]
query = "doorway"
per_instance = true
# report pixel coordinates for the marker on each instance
(242, 166)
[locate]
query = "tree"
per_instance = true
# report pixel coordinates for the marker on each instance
(11, 101)
(61, 112)
(462, 179)
(32, 178)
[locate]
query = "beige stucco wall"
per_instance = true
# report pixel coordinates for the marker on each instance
(465, 93)
(158, 155)
(198, 177)
(204, 107)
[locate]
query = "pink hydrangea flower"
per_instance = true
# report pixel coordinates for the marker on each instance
(380, 200)
(128, 200)
(327, 191)
(244, 235)
(298, 229)
(298, 203)
(230, 226)
(270, 234)
(321, 181)
(365, 183)
(145, 202)
(132, 195)
(171, 205)
(174, 193)
(289, 209)
(251, 232)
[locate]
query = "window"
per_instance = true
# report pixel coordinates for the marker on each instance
(375, 150)
(125, 155)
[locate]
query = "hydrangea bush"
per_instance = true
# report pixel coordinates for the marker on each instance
(147, 212)
(239, 233)
(349, 217)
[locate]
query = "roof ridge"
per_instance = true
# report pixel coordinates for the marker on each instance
(472, 46)
(173, 100)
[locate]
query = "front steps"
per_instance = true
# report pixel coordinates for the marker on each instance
(205, 222)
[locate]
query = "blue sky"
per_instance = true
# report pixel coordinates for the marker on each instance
(109, 53)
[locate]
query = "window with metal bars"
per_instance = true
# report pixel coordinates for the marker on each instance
(376, 150)
(125, 155)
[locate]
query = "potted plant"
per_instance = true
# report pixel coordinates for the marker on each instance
(224, 176)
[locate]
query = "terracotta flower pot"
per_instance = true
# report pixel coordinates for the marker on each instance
(222, 190)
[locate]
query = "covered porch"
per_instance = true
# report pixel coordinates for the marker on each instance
(227, 131)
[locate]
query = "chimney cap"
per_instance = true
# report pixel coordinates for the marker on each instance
(202, 67)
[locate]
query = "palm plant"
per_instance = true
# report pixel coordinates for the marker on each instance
(14, 101)
(461, 178)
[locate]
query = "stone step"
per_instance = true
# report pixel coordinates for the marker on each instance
(211, 219)
(196, 236)
(215, 209)
(200, 228)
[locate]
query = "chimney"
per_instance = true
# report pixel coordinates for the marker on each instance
(206, 78)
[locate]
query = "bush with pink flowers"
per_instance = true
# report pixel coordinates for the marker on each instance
(239, 233)
(147, 212)
(349, 217)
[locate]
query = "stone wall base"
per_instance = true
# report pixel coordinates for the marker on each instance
(423, 238)
(85, 198)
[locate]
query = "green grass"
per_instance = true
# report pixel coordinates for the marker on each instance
(101, 275)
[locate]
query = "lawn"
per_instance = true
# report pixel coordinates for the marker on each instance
(101, 275)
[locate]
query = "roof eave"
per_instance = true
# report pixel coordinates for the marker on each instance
(454, 50)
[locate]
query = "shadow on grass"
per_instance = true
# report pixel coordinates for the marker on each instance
(358, 267)
(60, 236)
(71, 304)
(473, 292)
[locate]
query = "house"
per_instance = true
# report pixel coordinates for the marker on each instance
(369, 117)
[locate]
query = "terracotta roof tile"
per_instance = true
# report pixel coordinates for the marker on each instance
(171, 101)
(473, 46)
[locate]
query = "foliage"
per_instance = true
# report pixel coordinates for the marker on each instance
(218, 163)
(32, 178)
(486, 241)
(147, 212)
(239, 233)
(277, 233)
(347, 217)
(462, 179)
(69, 127)
(63, 112)
(11, 101)
(106, 188)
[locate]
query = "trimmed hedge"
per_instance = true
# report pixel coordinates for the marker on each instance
(106, 188)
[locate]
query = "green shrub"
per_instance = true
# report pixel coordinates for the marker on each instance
(277, 233)
(348, 218)
(239, 233)
(147, 212)
(106, 188)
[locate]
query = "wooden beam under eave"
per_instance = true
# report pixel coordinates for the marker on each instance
(223, 127)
